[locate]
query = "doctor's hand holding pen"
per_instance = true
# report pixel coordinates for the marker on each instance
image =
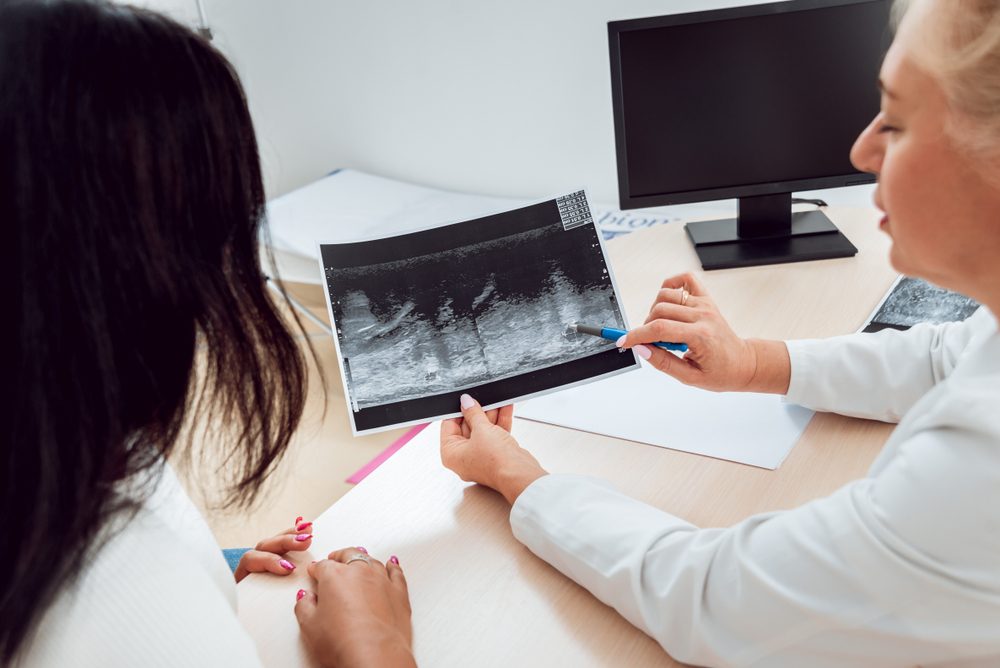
(716, 359)
(479, 447)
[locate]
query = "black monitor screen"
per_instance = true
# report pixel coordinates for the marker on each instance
(716, 102)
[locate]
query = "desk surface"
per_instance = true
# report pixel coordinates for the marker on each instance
(479, 597)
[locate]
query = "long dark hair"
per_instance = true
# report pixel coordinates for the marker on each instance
(131, 204)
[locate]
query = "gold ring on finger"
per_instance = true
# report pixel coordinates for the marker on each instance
(684, 296)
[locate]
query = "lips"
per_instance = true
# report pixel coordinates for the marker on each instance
(884, 220)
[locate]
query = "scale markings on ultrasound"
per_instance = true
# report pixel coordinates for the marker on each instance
(574, 210)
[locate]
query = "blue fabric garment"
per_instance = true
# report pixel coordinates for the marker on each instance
(233, 556)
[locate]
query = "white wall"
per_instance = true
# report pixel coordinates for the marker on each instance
(509, 98)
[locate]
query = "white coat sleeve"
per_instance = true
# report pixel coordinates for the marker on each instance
(878, 376)
(892, 570)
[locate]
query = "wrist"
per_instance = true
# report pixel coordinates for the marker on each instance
(513, 480)
(771, 367)
(387, 648)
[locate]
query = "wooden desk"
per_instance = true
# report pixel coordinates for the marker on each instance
(479, 597)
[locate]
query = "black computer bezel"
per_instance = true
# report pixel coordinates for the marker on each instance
(616, 28)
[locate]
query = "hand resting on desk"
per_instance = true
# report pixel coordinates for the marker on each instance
(359, 614)
(717, 359)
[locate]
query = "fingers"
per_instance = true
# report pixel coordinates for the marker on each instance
(670, 311)
(305, 606)
(473, 413)
(505, 418)
(450, 429)
(454, 435)
(494, 415)
(286, 542)
(300, 525)
(679, 296)
(348, 561)
(659, 330)
(687, 281)
(396, 577)
(670, 364)
(255, 561)
(354, 556)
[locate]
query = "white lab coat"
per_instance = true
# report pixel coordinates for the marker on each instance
(899, 568)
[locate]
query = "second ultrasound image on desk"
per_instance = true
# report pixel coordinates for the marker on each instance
(912, 301)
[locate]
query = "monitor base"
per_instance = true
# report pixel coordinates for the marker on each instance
(813, 237)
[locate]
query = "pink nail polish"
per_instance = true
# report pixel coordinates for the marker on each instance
(303, 537)
(298, 519)
(394, 559)
(642, 351)
(621, 340)
(287, 565)
(303, 526)
(466, 401)
(299, 594)
(362, 550)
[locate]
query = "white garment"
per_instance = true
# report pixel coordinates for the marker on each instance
(899, 568)
(157, 594)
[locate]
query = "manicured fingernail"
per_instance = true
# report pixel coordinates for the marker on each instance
(642, 351)
(621, 340)
(362, 550)
(298, 519)
(299, 594)
(287, 565)
(394, 559)
(303, 526)
(467, 401)
(303, 537)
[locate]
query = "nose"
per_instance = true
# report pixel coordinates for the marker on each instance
(868, 149)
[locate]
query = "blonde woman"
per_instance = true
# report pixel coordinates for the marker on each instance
(901, 567)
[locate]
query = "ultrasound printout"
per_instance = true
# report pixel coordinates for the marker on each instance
(480, 306)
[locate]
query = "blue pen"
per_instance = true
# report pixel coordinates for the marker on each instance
(612, 334)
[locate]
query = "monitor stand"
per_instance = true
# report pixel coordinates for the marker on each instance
(766, 231)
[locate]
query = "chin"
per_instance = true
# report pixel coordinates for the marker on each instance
(894, 260)
(909, 270)
(899, 263)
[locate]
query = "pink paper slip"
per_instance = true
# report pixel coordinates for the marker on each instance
(363, 472)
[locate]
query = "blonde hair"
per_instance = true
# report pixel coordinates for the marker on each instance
(958, 43)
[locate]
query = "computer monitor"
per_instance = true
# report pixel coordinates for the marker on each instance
(752, 102)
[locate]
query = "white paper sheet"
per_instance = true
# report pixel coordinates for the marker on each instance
(650, 407)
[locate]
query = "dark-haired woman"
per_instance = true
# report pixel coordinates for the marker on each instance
(131, 203)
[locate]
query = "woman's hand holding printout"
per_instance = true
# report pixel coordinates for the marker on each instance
(717, 359)
(479, 448)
